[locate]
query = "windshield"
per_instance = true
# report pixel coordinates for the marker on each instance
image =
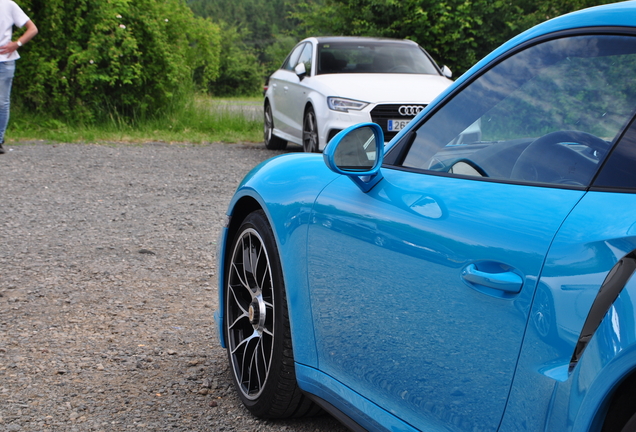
(373, 57)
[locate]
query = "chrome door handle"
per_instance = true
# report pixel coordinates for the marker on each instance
(507, 281)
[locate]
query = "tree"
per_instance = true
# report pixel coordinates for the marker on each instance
(128, 57)
(240, 72)
(455, 32)
(257, 37)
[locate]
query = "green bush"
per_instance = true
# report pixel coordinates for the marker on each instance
(239, 73)
(97, 58)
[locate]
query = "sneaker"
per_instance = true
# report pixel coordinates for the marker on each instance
(1, 148)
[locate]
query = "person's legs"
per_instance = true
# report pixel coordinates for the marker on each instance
(7, 69)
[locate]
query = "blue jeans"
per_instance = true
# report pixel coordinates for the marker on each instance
(7, 69)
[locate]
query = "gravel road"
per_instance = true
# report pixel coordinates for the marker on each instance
(108, 286)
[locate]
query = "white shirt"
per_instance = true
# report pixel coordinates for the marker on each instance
(10, 15)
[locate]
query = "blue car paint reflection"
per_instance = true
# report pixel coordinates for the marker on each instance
(406, 341)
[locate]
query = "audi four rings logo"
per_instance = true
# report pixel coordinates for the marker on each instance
(410, 110)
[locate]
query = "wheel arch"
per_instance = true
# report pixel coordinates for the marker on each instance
(318, 102)
(607, 370)
(619, 404)
(243, 207)
(286, 195)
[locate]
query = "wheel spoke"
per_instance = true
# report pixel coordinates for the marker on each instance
(268, 125)
(250, 313)
(238, 272)
(264, 278)
(310, 133)
(244, 315)
(265, 363)
(255, 366)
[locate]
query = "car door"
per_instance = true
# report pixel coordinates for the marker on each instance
(421, 288)
(280, 81)
(595, 239)
(297, 93)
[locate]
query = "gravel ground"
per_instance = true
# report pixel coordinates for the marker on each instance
(108, 286)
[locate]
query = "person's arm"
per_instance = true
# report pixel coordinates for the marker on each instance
(31, 31)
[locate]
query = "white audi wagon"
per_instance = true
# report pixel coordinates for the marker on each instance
(327, 84)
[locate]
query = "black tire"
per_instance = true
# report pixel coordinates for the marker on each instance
(257, 327)
(621, 415)
(310, 132)
(272, 142)
(630, 426)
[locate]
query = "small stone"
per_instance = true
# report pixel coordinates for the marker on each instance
(214, 404)
(99, 367)
(146, 252)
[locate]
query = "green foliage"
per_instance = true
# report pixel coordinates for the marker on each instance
(240, 73)
(263, 19)
(97, 57)
(276, 53)
(257, 38)
(455, 32)
(198, 120)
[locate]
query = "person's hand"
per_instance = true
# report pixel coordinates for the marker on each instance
(8, 48)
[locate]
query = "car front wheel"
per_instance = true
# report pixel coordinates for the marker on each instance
(257, 325)
(310, 132)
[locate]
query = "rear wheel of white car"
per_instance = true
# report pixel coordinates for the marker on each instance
(272, 142)
(257, 325)
(310, 132)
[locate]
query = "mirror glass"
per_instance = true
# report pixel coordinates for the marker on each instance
(357, 150)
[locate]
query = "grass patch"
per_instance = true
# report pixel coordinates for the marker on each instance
(204, 120)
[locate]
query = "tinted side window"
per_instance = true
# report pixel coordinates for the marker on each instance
(548, 114)
(620, 169)
(292, 58)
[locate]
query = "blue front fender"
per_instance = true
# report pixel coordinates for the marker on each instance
(285, 188)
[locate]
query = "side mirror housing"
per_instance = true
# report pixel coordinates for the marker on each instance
(300, 70)
(447, 72)
(357, 152)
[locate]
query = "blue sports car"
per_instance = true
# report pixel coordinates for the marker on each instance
(474, 274)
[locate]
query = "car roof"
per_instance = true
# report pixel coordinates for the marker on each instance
(334, 39)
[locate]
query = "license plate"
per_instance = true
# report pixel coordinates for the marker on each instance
(397, 125)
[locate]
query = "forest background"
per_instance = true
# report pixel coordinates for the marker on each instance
(145, 63)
